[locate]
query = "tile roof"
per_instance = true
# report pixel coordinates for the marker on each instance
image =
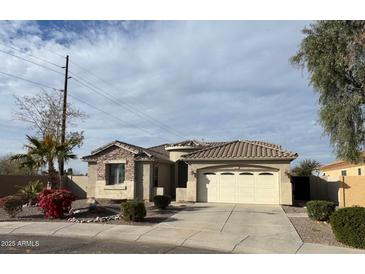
(242, 150)
(132, 148)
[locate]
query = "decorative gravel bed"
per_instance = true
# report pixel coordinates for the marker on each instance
(310, 231)
(106, 212)
(314, 232)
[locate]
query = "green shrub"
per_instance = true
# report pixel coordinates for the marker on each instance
(320, 210)
(133, 210)
(31, 191)
(348, 225)
(161, 201)
(13, 204)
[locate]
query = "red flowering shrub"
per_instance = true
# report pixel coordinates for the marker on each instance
(55, 202)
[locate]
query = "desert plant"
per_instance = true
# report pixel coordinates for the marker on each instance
(13, 204)
(348, 225)
(320, 210)
(133, 210)
(55, 202)
(305, 168)
(31, 191)
(161, 201)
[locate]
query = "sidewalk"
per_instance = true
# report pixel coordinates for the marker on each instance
(161, 234)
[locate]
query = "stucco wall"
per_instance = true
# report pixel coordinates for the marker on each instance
(164, 177)
(353, 191)
(78, 185)
(285, 187)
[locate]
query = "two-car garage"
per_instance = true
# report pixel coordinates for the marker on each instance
(238, 186)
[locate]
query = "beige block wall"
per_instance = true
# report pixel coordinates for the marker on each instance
(78, 185)
(353, 191)
(285, 186)
(91, 174)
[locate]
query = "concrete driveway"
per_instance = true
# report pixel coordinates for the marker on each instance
(258, 228)
(225, 228)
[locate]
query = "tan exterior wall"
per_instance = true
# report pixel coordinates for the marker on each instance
(351, 171)
(164, 177)
(91, 174)
(78, 185)
(285, 187)
(352, 192)
(9, 183)
(144, 180)
(175, 155)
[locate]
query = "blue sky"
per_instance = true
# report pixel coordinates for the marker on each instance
(211, 80)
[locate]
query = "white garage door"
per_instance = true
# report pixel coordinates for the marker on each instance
(260, 187)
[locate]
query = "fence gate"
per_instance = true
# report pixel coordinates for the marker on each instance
(301, 187)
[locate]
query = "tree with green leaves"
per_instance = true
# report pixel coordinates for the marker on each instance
(43, 152)
(305, 168)
(9, 167)
(333, 53)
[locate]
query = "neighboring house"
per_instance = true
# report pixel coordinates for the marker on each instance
(231, 172)
(342, 168)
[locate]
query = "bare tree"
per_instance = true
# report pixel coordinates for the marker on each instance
(43, 112)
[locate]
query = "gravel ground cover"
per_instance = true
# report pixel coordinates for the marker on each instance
(309, 230)
(105, 209)
(315, 232)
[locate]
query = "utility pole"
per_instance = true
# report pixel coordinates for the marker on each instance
(64, 114)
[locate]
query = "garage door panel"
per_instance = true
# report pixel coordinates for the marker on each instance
(208, 187)
(245, 187)
(227, 187)
(265, 190)
(238, 187)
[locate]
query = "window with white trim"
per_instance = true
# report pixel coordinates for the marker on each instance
(115, 174)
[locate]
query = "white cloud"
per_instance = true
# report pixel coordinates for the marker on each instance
(211, 80)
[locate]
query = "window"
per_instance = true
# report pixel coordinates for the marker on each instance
(246, 173)
(209, 173)
(115, 174)
(359, 171)
(155, 176)
(266, 173)
(343, 173)
(227, 173)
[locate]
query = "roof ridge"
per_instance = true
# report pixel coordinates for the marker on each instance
(210, 147)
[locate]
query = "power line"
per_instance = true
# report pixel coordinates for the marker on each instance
(29, 61)
(82, 101)
(115, 117)
(99, 91)
(31, 55)
(127, 106)
(30, 81)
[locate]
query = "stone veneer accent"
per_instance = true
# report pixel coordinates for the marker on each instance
(114, 153)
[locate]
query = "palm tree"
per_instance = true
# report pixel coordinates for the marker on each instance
(64, 152)
(41, 152)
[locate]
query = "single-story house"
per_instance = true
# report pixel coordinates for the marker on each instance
(342, 168)
(228, 172)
